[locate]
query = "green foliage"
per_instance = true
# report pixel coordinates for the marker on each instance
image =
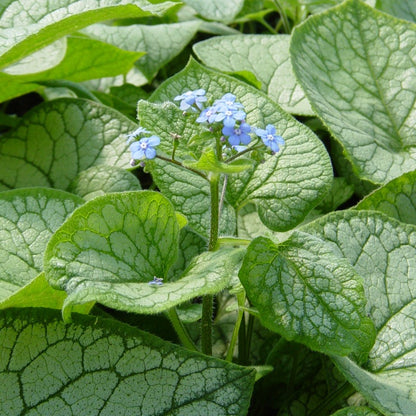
(292, 285)
(47, 146)
(267, 57)
(95, 364)
(184, 204)
(353, 59)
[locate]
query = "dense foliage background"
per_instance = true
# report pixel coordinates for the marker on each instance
(308, 277)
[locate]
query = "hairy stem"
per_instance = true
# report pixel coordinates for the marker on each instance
(207, 300)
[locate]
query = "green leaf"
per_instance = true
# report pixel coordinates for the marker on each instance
(39, 294)
(267, 57)
(404, 9)
(287, 185)
(42, 60)
(202, 277)
(396, 199)
(105, 367)
(160, 42)
(246, 76)
(59, 139)
(23, 32)
(101, 180)
(84, 59)
(216, 9)
(111, 244)
(390, 392)
(10, 88)
(340, 192)
(318, 6)
(314, 379)
(190, 195)
(129, 93)
(382, 250)
(356, 411)
(190, 245)
(355, 66)
(307, 294)
(208, 162)
(28, 218)
(168, 121)
(250, 226)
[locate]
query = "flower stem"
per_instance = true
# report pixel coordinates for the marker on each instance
(249, 149)
(283, 16)
(215, 210)
(207, 300)
(175, 162)
(180, 329)
(241, 297)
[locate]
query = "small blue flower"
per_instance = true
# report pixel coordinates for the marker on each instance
(207, 115)
(237, 134)
(136, 133)
(270, 138)
(228, 115)
(144, 148)
(229, 100)
(158, 281)
(189, 98)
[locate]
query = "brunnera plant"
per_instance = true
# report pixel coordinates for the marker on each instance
(171, 238)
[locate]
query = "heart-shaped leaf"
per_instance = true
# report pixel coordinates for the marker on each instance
(382, 250)
(113, 242)
(59, 139)
(356, 66)
(287, 185)
(105, 367)
(267, 57)
(203, 276)
(307, 294)
(28, 218)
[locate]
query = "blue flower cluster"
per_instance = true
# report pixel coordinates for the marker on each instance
(231, 114)
(226, 110)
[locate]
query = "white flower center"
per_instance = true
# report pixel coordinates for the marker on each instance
(228, 113)
(270, 137)
(143, 145)
(237, 132)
